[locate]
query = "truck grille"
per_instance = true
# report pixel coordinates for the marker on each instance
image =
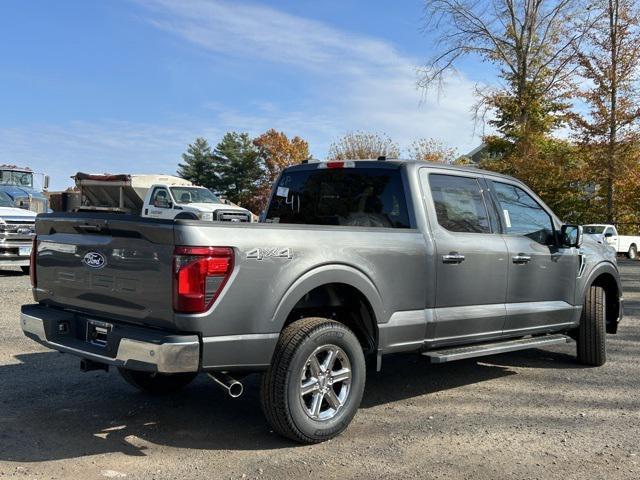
(232, 216)
(16, 230)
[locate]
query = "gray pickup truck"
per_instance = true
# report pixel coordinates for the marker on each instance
(352, 260)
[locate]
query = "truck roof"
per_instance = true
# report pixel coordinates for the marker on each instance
(398, 162)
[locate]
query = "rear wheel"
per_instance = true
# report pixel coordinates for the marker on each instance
(591, 341)
(25, 270)
(157, 383)
(633, 252)
(315, 383)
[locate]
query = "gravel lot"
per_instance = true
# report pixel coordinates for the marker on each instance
(532, 414)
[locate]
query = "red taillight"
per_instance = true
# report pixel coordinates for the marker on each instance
(335, 164)
(32, 262)
(200, 274)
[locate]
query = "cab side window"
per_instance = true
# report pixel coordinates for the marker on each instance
(160, 198)
(522, 215)
(459, 204)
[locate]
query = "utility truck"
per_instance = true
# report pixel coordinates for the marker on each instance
(17, 228)
(154, 196)
(353, 260)
(608, 234)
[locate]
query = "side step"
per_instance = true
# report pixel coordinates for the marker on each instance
(458, 353)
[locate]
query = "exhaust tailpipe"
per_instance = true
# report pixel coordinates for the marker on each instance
(232, 386)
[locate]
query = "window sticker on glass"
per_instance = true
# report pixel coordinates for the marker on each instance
(507, 218)
(282, 192)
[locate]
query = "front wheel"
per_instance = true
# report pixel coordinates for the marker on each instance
(315, 383)
(632, 254)
(156, 383)
(591, 341)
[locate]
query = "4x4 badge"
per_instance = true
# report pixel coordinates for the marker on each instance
(262, 253)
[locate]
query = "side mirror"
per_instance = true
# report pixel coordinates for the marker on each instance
(46, 183)
(571, 235)
(608, 234)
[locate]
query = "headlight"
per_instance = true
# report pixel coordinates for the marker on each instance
(206, 216)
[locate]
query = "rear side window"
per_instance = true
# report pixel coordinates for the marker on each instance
(459, 203)
(522, 215)
(357, 197)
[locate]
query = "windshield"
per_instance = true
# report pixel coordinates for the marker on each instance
(5, 200)
(592, 229)
(357, 197)
(11, 177)
(193, 195)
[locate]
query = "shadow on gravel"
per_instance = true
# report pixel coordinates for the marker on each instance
(49, 410)
(536, 359)
(11, 273)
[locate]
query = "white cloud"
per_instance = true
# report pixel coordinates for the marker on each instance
(104, 146)
(359, 83)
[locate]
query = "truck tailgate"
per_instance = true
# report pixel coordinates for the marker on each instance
(111, 266)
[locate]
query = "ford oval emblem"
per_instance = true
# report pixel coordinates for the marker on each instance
(94, 260)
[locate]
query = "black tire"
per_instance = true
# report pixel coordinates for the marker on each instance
(591, 341)
(282, 401)
(632, 254)
(157, 383)
(25, 270)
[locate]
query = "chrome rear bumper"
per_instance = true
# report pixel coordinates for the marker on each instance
(159, 352)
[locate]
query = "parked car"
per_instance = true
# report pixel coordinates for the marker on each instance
(625, 244)
(353, 260)
(17, 229)
(154, 196)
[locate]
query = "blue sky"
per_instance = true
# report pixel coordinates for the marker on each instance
(124, 85)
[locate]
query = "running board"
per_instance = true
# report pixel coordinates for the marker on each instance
(458, 353)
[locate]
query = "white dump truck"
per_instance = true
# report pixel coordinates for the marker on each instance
(154, 196)
(608, 234)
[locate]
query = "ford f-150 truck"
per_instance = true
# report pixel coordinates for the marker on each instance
(352, 260)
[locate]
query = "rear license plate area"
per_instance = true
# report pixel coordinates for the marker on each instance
(98, 333)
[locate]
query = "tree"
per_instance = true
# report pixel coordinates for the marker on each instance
(529, 41)
(276, 152)
(609, 61)
(236, 161)
(431, 150)
(197, 165)
(361, 146)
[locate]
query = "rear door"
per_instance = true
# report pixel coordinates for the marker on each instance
(114, 266)
(471, 261)
(542, 275)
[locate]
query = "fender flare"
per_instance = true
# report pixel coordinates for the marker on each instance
(323, 275)
(599, 269)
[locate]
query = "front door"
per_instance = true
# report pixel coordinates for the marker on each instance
(542, 275)
(471, 262)
(160, 205)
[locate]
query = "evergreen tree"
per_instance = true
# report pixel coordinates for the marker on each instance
(236, 160)
(197, 165)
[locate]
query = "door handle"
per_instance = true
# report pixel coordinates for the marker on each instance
(521, 258)
(453, 257)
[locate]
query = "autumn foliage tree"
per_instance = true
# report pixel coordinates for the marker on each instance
(362, 146)
(431, 150)
(277, 152)
(609, 131)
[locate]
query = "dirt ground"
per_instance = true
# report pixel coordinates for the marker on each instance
(526, 415)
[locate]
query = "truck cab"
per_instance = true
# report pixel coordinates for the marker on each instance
(190, 202)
